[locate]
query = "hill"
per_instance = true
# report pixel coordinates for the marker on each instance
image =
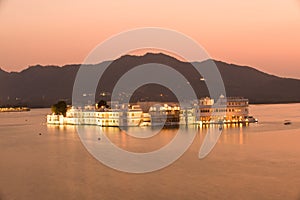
(42, 86)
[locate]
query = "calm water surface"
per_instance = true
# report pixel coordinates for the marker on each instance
(259, 161)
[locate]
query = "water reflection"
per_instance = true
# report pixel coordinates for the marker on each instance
(231, 133)
(51, 127)
(268, 162)
(152, 139)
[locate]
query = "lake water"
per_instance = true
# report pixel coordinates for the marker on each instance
(259, 161)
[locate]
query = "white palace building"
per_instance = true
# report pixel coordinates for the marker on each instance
(206, 111)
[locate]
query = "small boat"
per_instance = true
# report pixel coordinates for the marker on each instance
(251, 119)
(287, 122)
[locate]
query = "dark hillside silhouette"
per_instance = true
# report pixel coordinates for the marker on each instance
(42, 86)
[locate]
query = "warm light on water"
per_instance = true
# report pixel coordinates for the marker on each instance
(259, 161)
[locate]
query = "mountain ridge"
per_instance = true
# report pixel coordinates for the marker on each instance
(140, 56)
(42, 86)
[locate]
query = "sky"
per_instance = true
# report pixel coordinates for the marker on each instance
(264, 34)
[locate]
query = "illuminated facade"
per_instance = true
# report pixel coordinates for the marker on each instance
(131, 116)
(206, 111)
(225, 110)
(164, 115)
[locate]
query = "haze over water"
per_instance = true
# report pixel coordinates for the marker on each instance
(259, 161)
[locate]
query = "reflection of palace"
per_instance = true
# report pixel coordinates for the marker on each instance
(207, 111)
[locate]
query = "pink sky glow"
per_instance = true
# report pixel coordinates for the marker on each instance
(260, 33)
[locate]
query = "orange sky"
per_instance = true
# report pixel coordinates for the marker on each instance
(260, 33)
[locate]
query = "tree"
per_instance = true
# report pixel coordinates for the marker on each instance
(59, 108)
(102, 104)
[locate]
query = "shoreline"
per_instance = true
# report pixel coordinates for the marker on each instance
(278, 103)
(14, 109)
